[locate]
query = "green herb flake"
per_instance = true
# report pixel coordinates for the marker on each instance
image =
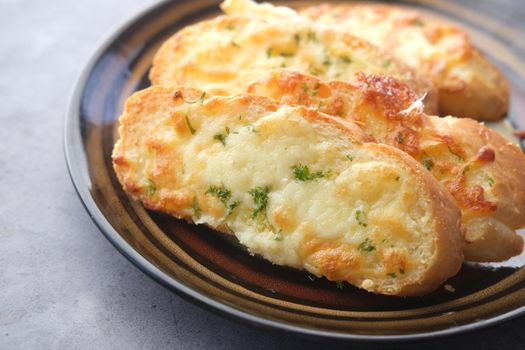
(397, 178)
(287, 54)
(400, 138)
(340, 285)
(311, 36)
(192, 130)
(236, 44)
(305, 88)
(278, 236)
(196, 208)
(315, 71)
(366, 246)
(221, 192)
(490, 181)
(327, 62)
(297, 38)
(200, 100)
(345, 59)
(229, 27)
(269, 52)
(417, 22)
(387, 63)
(302, 173)
(349, 157)
(151, 188)
(359, 217)
(221, 138)
(402, 271)
(392, 274)
(260, 198)
(232, 206)
(427, 162)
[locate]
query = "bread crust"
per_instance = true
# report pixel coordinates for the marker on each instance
(468, 84)
(484, 172)
(162, 127)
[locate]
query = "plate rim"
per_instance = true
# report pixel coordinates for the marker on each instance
(78, 169)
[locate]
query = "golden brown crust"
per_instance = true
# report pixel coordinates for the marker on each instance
(484, 172)
(169, 156)
(469, 85)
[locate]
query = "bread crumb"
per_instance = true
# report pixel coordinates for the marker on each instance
(368, 284)
(449, 288)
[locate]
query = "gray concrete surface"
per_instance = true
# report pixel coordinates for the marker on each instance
(62, 285)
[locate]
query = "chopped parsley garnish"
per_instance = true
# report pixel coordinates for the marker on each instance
(151, 188)
(427, 162)
(397, 178)
(221, 192)
(315, 71)
(311, 36)
(232, 206)
(392, 274)
(345, 59)
(278, 236)
(327, 62)
(200, 100)
(269, 52)
(222, 137)
(297, 38)
(340, 285)
(260, 198)
(366, 246)
(287, 54)
(359, 217)
(418, 22)
(387, 63)
(196, 208)
(302, 173)
(236, 44)
(305, 87)
(349, 157)
(192, 130)
(490, 181)
(400, 138)
(230, 27)
(402, 271)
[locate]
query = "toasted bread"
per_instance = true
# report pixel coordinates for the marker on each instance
(484, 172)
(296, 186)
(468, 84)
(223, 55)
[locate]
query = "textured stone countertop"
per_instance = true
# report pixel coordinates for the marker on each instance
(62, 284)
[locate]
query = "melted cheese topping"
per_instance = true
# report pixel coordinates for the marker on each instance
(472, 171)
(245, 49)
(298, 189)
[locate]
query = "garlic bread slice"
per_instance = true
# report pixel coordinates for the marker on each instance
(225, 54)
(484, 172)
(296, 186)
(468, 84)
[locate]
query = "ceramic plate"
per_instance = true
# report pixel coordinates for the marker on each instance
(211, 269)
